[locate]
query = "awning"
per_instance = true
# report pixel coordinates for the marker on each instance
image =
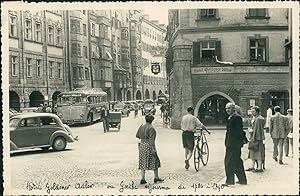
(109, 55)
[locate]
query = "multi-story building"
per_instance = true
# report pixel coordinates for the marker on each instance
(217, 56)
(153, 51)
(101, 57)
(135, 54)
(55, 51)
(38, 71)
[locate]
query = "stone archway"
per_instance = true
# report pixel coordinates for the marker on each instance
(128, 95)
(154, 95)
(138, 95)
(147, 94)
(36, 98)
(211, 108)
(54, 97)
(14, 100)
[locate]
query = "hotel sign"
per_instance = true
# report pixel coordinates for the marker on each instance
(212, 70)
(240, 69)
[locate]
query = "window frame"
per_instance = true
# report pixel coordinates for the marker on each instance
(51, 68)
(50, 34)
(59, 70)
(58, 36)
(28, 30)
(38, 32)
(14, 65)
(266, 55)
(38, 68)
(13, 25)
(29, 67)
(84, 29)
(266, 16)
(207, 16)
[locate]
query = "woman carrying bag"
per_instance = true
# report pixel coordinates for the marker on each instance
(256, 144)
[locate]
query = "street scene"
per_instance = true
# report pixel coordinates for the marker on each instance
(127, 101)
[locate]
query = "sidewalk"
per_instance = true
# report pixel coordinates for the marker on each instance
(276, 179)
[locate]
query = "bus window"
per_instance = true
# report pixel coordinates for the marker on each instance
(77, 99)
(65, 100)
(89, 100)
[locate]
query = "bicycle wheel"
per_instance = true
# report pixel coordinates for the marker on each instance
(197, 157)
(204, 153)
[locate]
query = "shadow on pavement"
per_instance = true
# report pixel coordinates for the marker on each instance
(36, 151)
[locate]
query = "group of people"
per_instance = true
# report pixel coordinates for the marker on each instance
(46, 108)
(279, 126)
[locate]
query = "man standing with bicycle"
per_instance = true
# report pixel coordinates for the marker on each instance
(189, 126)
(234, 140)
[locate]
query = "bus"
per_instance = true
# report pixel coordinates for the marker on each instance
(81, 105)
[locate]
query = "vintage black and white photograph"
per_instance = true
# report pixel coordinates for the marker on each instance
(150, 98)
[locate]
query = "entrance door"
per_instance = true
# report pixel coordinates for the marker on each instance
(212, 110)
(280, 99)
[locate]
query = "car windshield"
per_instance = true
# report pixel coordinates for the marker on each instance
(13, 122)
(148, 105)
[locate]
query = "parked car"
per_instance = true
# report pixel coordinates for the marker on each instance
(122, 107)
(128, 104)
(39, 130)
(134, 104)
(140, 103)
(12, 112)
(149, 107)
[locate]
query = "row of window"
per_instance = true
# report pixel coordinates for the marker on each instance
(34, 68)
(209, 50)
(153, 80)
(97, 30)
(33, 31)
(81, 73)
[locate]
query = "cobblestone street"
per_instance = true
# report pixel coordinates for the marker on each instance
(106, 162)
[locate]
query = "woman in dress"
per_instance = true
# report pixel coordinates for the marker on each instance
(148, 158)
(257, 134)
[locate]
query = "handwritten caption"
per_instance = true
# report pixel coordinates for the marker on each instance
(121, 187)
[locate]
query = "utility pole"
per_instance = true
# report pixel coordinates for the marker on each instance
(90, 49)
(68, 55)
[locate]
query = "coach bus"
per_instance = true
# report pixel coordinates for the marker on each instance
(81, 105)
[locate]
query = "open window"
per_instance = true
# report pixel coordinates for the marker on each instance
(206, 51)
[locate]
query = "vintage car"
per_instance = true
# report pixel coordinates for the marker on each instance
(148, 107)
(122, 107)
(39, 130)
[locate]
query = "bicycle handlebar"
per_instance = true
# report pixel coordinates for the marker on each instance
(205, 130)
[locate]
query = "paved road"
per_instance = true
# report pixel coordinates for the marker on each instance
(100, 161)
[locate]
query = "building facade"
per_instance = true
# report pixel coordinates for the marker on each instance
(217, 56)
(56, 51)
(153, 51)
(37, 47)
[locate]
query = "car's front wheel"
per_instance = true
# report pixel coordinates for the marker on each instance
(59, 144)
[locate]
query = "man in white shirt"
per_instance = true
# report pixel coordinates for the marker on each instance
(189, 126)
(268, 118)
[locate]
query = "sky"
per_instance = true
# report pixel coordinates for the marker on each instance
(160, 14)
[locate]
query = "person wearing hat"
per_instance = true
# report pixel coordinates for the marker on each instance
(189, 126)
(279, 131)
(289, 139)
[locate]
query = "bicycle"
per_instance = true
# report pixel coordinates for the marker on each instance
(166, 118)
(201, 150)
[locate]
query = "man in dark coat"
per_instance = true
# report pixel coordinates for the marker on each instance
(105, 118)
(234, 140)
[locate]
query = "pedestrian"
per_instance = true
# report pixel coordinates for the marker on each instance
(40, 108)
(279, 131)
(257, 134)
(268, 118)
(105, 118)
(289, 138)
(136, 110)
(162, 109)
(148, 158)
(234, 140)
(189, 125)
